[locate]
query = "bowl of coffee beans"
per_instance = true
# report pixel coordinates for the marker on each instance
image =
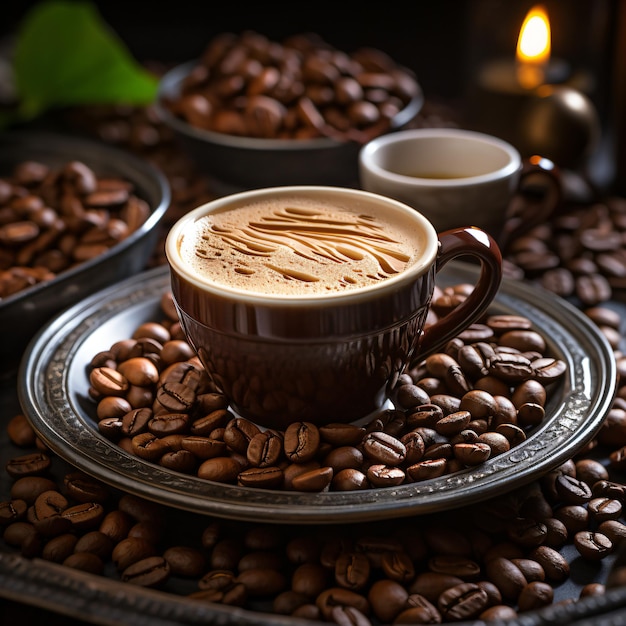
(254, 112)
(75, 216)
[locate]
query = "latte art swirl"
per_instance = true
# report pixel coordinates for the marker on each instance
(298, 247)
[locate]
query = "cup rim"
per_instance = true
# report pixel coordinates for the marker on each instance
(367, 162)
(419, 267)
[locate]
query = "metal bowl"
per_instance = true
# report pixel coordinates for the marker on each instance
(249, 162)
(25, 312)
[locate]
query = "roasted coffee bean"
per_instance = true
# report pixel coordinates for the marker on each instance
(262, 582)
(496, 441)
(264, 449)
(83, 488)
(602, 509)
(85, 562)
(116, 525)
(131, 550)
(424, 415)
(431, 584)
(58, 548)
(510, 367)
(349, 479)
(448, 403)
(398, 566)
(592, 545)
(548, 369)
(424, 470)
(238, 433)
(20, 431)
(261, 559)
(553, 563)
(421, 611)
(108, 382)
(556, 532)
(571, 490)
(175, 397)
(592, 589)
(349, 616)
(462, 602)
(148, 447)
(12, 511)
(535, 595)
(185, 561)
(475, 359)
(387, 598)
(454, 565)
(139, 371)
(203, 447)
(471, 454)
(33, 464)
(342, 434)
(509, 579)
(614, 530)
(316, 479)
(383, 448)
(220, 469)
(84, 515)
(575, 517)
(95, 542)
(302, 440)
(261, 477)
(47, 514)
(409, 396)
(352, 570)
(213, 420)
(531, 569)
(152, 571)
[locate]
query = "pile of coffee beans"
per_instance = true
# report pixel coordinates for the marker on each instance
(53, 218)
(302, 88)
(579, 253)
(492, 561)
(455, 409)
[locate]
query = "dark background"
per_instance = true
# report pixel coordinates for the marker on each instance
(442, 41)
(439, 39)
(427, 36)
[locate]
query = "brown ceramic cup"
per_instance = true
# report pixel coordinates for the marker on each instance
(287, 343)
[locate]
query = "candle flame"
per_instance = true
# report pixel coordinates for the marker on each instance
(533, 48)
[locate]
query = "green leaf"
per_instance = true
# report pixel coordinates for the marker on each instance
(67, 55)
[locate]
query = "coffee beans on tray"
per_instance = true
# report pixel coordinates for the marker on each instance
(453, 410)
(302, 88)
(53, 218)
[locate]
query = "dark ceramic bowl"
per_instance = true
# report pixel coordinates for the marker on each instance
(248, 162)
(25, 312)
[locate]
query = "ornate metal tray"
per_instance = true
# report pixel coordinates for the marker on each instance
(53, 385)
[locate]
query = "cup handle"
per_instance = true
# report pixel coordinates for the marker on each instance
(539, 195)
(474, 242)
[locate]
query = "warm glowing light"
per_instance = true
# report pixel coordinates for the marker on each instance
(533, 48)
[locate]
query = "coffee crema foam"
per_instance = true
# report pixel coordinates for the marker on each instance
(294, 246)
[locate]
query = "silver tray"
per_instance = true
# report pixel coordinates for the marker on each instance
(53, 392)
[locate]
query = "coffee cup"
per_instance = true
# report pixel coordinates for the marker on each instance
(454, 177)
(306, 303)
